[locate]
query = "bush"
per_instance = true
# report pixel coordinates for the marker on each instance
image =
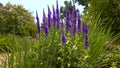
(14, 19)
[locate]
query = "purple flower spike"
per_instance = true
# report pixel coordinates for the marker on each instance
(67, 26)
(67, 13)
(86, 42)
(54, 17)
(79, 24)
(57, 9)
(74, 12)
(46, 30)
(58, 15)
(63, 35)
(73, 31)
(63, 38)
(67, 19)
(74, 16)
(85, 28)
(44, 17)
(49, 17)
(85, 32)
(38, 24)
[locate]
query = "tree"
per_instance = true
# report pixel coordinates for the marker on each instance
(83, 3)
(109, 11)
(1, 5)
(16, 20)
(63, 9)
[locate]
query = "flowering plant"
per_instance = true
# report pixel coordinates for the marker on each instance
(69, 43)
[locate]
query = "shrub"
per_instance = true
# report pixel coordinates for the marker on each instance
(14, 19)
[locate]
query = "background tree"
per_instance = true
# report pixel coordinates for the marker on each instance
(63, 9)
(108, 10)
(1, 5)
(83, 3)
(16, 19)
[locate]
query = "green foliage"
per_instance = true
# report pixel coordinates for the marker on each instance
(109, 10)
(9, 42)
(46, 52)
(5, 43)
(110, 13)
(12, 46)
(17, 20)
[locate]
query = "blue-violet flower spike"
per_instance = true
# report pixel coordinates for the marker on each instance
(54, 17)
(67, 13)
(86, 42)
(38, 24)
(44, 17)
(79, 24)
(49, 17)
(58, 16)
(63, 38)
(85, 28)
(46, 30)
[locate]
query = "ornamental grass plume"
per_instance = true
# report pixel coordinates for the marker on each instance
(38, 23)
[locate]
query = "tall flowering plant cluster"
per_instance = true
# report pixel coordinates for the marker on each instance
(71, 24)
